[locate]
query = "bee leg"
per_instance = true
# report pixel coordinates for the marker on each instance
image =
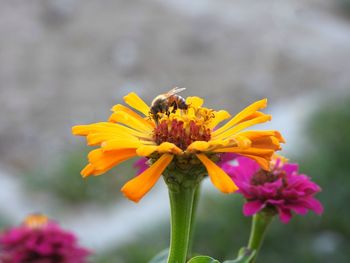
(174, 105)
(156, 119)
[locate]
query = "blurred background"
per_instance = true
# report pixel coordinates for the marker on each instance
(66, 62)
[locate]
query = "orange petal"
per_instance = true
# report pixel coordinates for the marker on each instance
(123, 143)
(88, 170)
(136, 188)
(217, 176)
(250, 150)
(100, 162)
(252, 134)
(263, 162)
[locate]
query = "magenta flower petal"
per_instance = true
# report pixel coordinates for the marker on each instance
(314, 205)
(141, 165)
(291, 168)
(282, 189)
(253, 207)
(284, 214)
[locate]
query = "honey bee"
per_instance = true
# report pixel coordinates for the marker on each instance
(162, 103)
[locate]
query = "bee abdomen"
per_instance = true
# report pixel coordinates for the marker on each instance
(181, 103)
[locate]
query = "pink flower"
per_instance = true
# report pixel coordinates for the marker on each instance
(141, 165)
(282, 189)
(41, 241)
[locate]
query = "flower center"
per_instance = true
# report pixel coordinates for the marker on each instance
(261, 177)
(179, 133)
(36, 221)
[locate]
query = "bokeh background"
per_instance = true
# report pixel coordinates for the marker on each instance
(66, 62)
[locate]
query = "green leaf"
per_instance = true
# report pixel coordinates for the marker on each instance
(202, 259)
(245, 255)
(161, 257)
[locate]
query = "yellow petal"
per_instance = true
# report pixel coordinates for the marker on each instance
(127, 119)
(195, 102)
(217, 176)
(167, 147)
(242, 115)
(198, 146)
(147, 121)
(134, 101)
(136, 188)
(219, 116)
(146, 150)
(105, 127)
(98, 138)
(124, 143)
(99, 132)
(235, 129)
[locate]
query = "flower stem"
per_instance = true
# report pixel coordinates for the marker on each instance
(193, 218)
(260, 223)
(181, 205)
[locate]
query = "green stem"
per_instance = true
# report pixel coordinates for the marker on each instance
(181, 205)
(259, 226)
(193, 218)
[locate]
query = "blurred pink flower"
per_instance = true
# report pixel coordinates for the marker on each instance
(41, 241)
(141, 165)
(283, 188)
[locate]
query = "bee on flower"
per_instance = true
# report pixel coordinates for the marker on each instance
(181, 139)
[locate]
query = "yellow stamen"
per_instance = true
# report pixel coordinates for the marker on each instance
(194, 102)
(36, 221)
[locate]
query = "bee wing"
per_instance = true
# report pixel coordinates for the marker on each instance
(173, 91)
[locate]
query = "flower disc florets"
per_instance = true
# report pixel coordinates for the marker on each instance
(179, 133)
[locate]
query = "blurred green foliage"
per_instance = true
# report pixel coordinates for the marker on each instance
(63, 181)
(144, 247)
(4, 222)
(222, 229)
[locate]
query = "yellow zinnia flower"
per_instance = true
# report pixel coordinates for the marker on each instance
(183, 138)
